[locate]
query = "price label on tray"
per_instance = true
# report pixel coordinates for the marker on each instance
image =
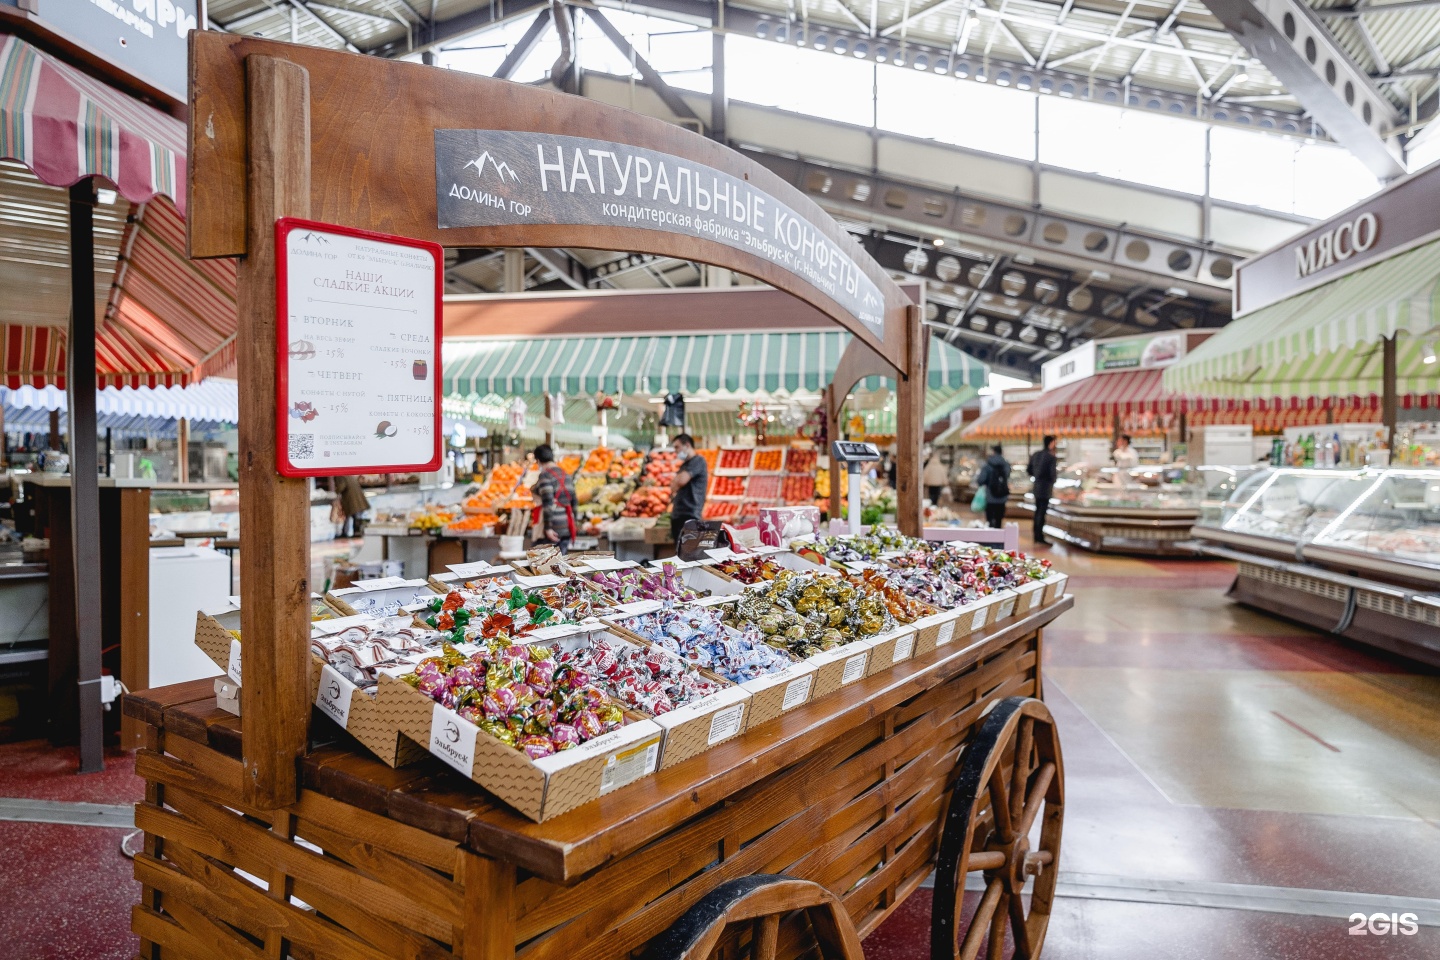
(334, 695)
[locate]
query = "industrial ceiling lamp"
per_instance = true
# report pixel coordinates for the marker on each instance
(1427, 351)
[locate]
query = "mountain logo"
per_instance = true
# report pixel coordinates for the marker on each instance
(502, 169)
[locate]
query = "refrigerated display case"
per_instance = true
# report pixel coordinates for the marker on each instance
(1146, 509)
(1353, 552)
(1273, 511)
(1221, 483)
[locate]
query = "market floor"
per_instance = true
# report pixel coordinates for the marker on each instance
(1215, 758)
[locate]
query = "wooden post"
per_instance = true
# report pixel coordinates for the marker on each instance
(910, 424)
(1388, 399)
(182, 450)
(53, 443)
(274, 511)
(85, 474)
(834, 404)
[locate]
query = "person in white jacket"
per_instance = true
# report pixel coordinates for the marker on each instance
(1124, 455)
(934, 476)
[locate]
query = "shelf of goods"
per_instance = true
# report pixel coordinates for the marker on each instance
(615, 718)
(1352, 551)
(748, 479)
(1134, 510)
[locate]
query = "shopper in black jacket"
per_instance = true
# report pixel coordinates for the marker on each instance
(1044, 467)
(995, 478)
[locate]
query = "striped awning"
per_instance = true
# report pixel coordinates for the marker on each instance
(65, 126)
(184, 309)
(35, 356)
(745, 366)
(1327, 342)
(1005, 423)
(1130, 391)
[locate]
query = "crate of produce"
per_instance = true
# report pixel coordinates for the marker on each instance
(798, 489)
(601, 747)
(764, 486)
(727, 487)
(768, 460)
(647, 502)
(800, 460)
(840, 667)
(930, 630)
(734, 461)
(720, 510)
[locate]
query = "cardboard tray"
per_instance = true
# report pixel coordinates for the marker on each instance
(539, 789)
(1054, 587)
(1029, 596)
(696, 727)
(840, 667)
(332, 694)
(890, 649)
(929, 629)
(379, 598)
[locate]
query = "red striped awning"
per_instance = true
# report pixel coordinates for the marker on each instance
(184, 309)
(1131, 391)
(35, 357)
(65, 125)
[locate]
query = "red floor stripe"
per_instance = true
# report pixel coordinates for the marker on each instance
(1327, 746)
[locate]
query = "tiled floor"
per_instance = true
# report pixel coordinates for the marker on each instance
(1204, 743)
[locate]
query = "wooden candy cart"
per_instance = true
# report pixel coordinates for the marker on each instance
(860, 794)
(269, 836)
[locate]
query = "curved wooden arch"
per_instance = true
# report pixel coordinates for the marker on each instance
(373, 156)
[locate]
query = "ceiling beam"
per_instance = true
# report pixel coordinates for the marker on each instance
(571, 272)
(374, 18)
(462, 25)
(649, 74)
(324, 25)
(1290, 40)
(525, 46)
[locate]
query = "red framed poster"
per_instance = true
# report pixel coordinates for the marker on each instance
(357, 375)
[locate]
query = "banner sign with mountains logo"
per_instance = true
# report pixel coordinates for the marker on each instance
(487, 178)
(358, 373)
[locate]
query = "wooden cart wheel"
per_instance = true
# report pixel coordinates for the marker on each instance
(761, 901)
(1011, 777)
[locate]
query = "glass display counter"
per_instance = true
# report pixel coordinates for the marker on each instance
(1392, 527)
(1146, 509)
(1352, 552)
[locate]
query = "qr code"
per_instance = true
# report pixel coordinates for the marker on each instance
(302, 446)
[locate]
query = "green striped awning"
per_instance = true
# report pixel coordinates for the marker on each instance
(1326, 342)
(748, 366)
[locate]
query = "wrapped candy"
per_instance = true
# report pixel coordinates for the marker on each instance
(700, 638)
(627, 586)
(806, 613)
(358, 652)
(750, 569)
(644, 679)
(525, 697)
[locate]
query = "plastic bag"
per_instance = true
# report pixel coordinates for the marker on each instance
(977, 503)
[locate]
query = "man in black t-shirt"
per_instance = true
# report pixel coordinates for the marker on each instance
(687, 489)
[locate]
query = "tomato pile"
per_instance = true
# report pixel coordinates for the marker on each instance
(735, 459)
(729, 487)
(798, 489)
